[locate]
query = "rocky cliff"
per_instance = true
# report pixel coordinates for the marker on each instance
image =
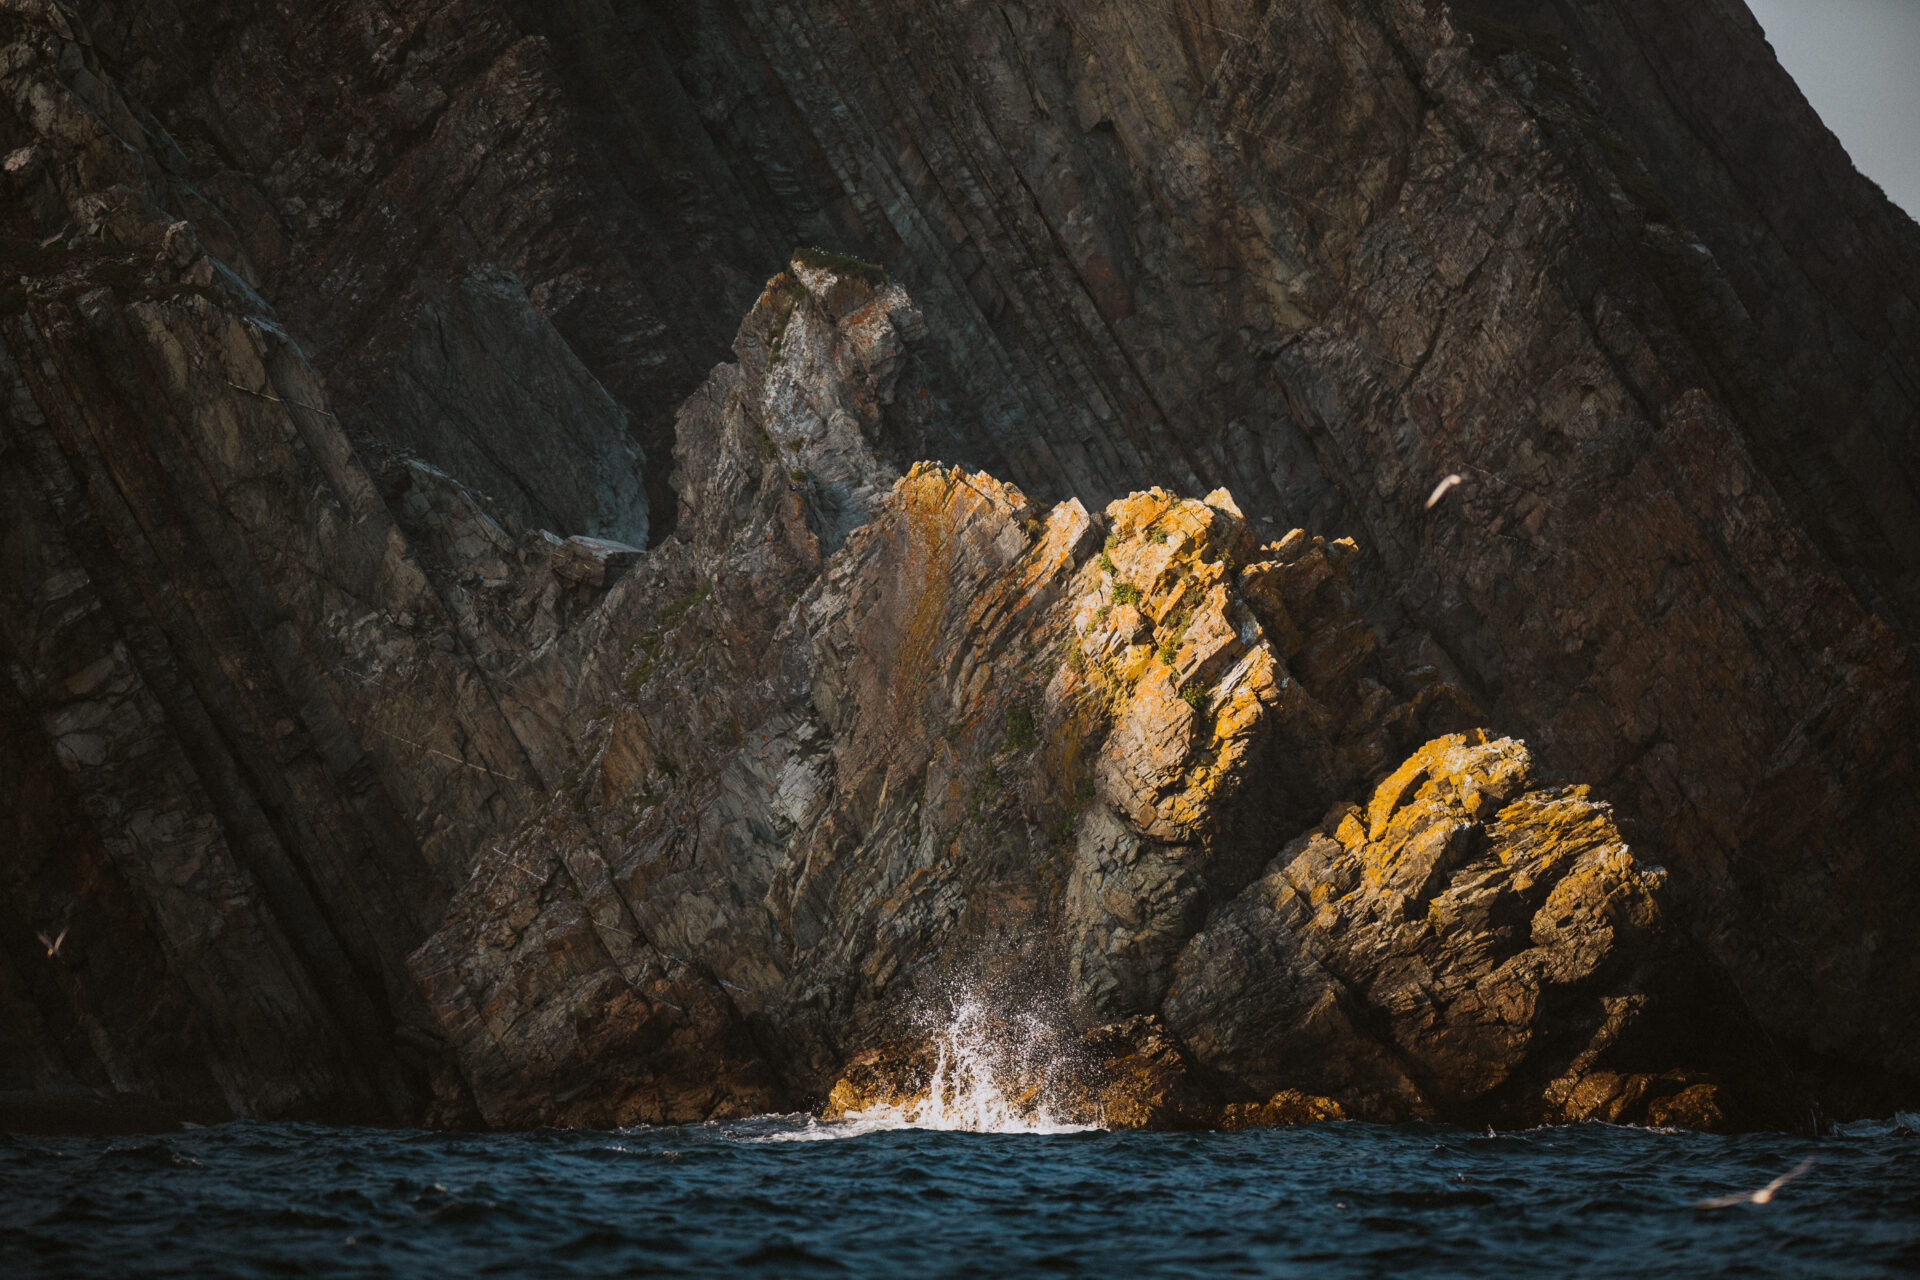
(1042, 758)
(345, 352)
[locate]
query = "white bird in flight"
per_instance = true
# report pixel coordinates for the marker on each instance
(1763, 1196)
(1440, 490)
(53, 944)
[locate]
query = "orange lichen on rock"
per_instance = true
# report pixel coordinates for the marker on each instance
(1289, 1106)
(896, 1074)
(1185, 665)
(1464, 907)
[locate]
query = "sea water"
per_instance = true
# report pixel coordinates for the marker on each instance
(790, 1196)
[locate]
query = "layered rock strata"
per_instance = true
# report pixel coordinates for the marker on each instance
(268, 695)
(1035, 751)
(287, 657)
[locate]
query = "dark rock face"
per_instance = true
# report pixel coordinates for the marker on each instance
(630, 922)
(490, 392)
(311, 617)
(86, 1113)
(1827, 268)
(255, 735)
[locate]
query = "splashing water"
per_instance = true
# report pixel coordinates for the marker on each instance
(993, 1073)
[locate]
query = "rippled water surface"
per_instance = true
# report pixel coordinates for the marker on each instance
(787, 1197)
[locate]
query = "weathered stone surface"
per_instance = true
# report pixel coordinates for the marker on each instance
(1126, 1075)
(1672, 1099)
(982, 744)
(284, 678)
(490, 391)
(257, 732)
(1216, 745)
(631, 922)
(1467, 943)
(893, 1076)
(1823, 263)
(593, 562)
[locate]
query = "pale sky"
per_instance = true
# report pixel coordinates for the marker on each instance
(1858, 62)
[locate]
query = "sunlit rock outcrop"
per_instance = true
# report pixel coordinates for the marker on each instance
(1045, 753)
(1467, 938)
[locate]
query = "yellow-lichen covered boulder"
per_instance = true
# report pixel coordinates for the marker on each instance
(1467, 941)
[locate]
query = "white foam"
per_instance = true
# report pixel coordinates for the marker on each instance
(992, 1074)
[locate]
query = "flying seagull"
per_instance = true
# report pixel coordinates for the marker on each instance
(1763, 1196)
(53, 944)
(1440, 490)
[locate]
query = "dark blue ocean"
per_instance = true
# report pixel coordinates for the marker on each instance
(786, 1197)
